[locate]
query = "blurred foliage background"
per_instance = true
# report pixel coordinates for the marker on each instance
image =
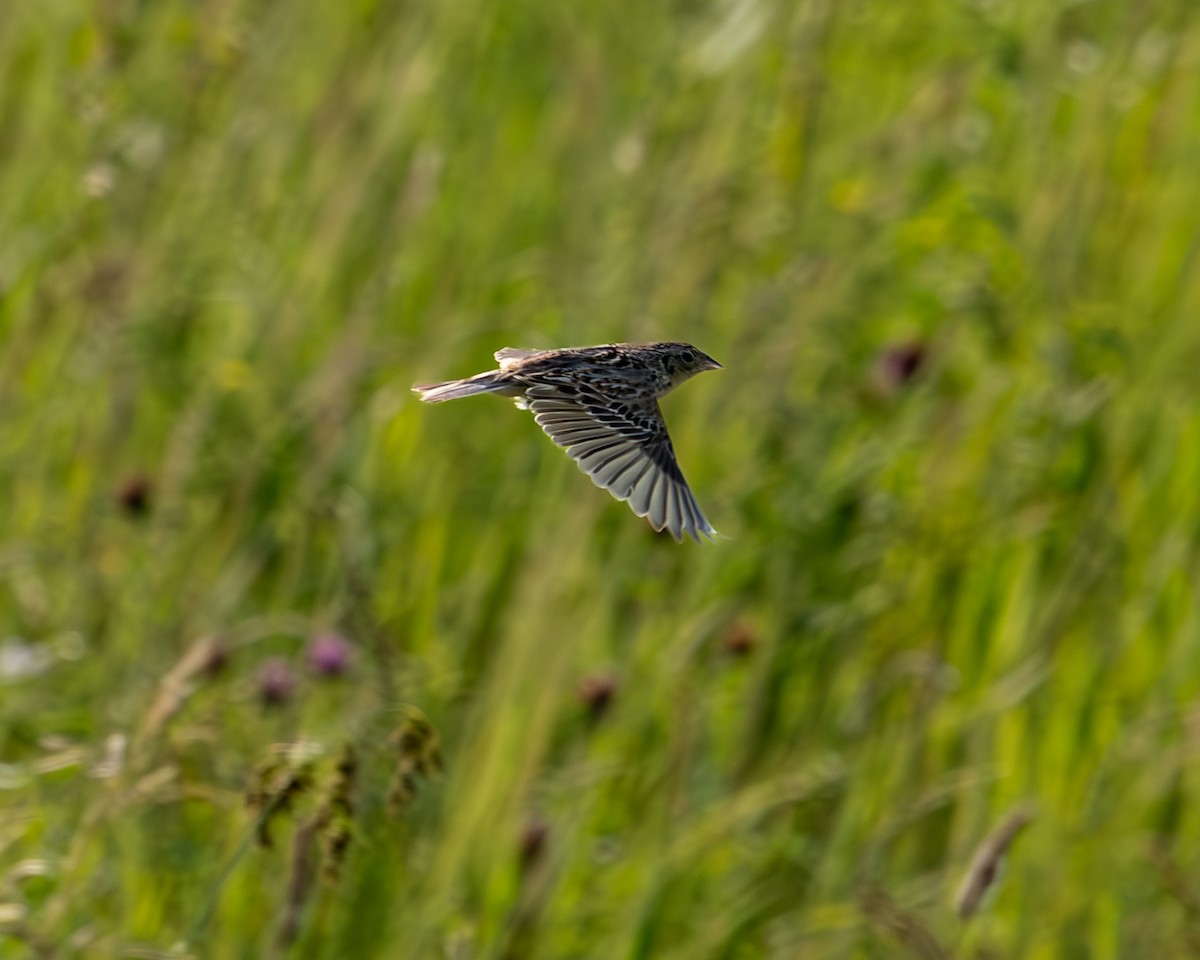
(294, 666)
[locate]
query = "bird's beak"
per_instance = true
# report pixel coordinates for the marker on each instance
(712, 364)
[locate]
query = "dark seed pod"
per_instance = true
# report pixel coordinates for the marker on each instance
(985, 865)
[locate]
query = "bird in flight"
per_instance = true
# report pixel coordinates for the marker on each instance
(601, 405)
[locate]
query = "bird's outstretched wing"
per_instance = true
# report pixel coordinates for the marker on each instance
(624, 447)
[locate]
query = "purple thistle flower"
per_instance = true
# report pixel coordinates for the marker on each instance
(597, 693)
(897, 366)
(329, 654)
(276, 681)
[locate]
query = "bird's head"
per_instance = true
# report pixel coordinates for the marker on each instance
(683, 361)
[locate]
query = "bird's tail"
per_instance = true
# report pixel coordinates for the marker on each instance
(453, 389)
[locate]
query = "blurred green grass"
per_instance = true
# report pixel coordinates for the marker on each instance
(235, 232)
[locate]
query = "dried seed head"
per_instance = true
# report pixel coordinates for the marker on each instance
(419, 754)
(339, 802)
(274, 787)
(985, 865)
(336, 816)
(204, 658)
(337, 844)
(403, 788)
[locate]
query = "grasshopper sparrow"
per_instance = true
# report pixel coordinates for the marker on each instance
(601, 405)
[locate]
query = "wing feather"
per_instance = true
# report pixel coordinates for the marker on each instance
(658, 504)
(509, 357)
(595, 446)
(578, 435)
(697, 518)
(629, 484)
(675, 518)
(624, 447)
(639, 500)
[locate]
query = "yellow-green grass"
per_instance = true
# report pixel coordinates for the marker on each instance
(233, 233)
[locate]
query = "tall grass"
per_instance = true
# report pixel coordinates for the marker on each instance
(947, 252)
